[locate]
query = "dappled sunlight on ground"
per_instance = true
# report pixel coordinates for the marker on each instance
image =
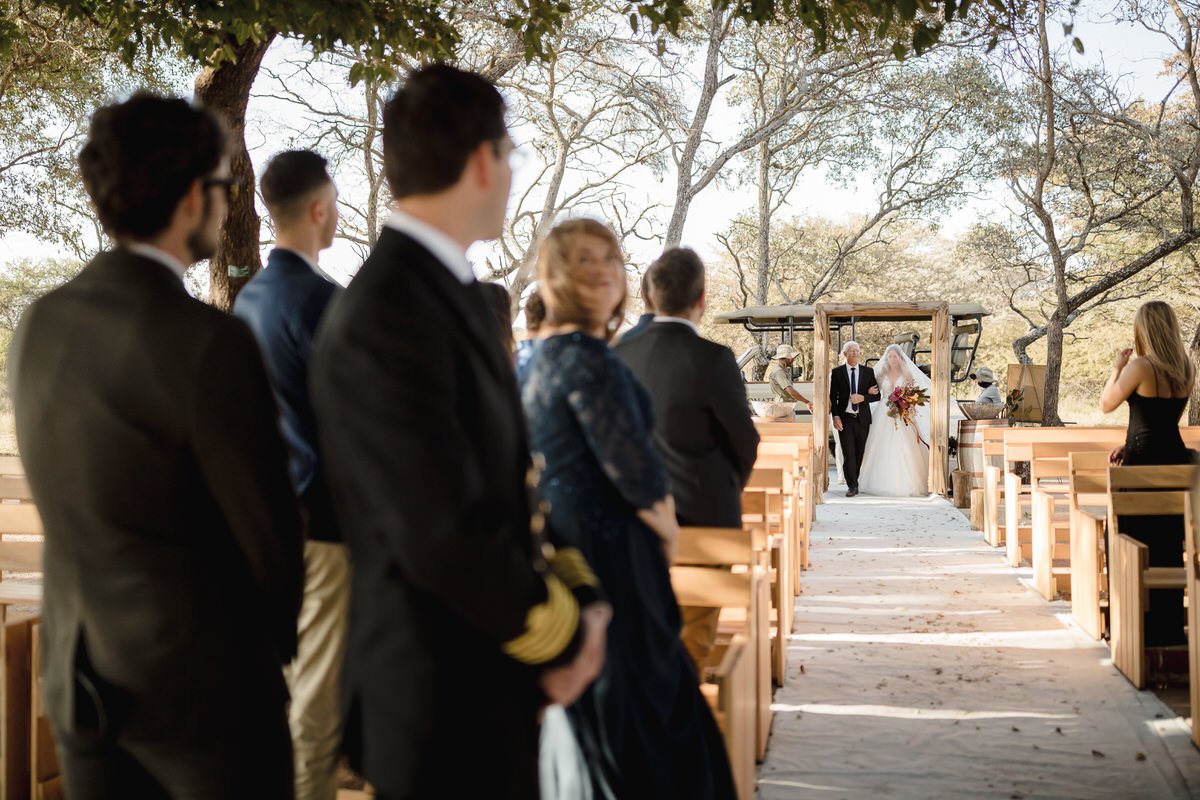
(921, 666)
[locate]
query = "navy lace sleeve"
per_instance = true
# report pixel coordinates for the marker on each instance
(616, 417)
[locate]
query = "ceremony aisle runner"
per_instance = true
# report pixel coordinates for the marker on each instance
(922, 667)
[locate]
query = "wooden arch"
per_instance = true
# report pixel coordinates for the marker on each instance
(939, 400)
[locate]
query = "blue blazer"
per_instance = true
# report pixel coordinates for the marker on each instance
(283, 305)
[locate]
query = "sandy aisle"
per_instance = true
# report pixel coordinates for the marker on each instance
(921, 667)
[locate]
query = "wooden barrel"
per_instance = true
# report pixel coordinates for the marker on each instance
(970, 448)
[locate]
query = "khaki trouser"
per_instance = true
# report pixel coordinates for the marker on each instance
(699, 633)
(314, 674)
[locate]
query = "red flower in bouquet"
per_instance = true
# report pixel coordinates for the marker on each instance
(903, 400)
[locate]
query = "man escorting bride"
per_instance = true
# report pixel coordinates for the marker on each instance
(896, 458)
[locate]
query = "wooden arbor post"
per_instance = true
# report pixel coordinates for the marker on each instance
(939, 399)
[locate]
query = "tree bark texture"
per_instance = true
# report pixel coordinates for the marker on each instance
(764, 221)
(226, 90)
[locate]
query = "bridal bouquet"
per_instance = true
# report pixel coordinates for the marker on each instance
(903, 400)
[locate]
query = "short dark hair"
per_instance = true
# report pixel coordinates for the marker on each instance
(432, 125)
(647, 300)
(143, 155)
(290, 177)
(677, 280)
(535, 311)
(500, 302)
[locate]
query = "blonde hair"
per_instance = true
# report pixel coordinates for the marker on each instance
(1156, 337)
(556, 267)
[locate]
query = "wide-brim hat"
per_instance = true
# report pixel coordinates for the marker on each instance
(984, 374)
(786, 351)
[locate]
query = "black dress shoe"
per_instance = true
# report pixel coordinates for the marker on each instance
(851, 492)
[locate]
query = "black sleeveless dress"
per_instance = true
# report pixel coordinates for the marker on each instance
(1153, 439)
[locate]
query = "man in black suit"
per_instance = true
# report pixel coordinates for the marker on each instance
(461, 623)
(283, 305)
(647, 318)
(702, 425)
(148, 432)
(852, 389)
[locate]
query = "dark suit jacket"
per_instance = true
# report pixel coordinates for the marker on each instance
(427, 452)
(173, 548)
(839, 392)
(283, 305)
(702, 425)
(641, 326)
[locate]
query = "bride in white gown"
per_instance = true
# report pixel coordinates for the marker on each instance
(896, 462)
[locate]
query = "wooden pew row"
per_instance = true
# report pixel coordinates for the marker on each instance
(1018, 448)
(1088, 497)
(1054, 491)
(28, 762)
(800, 434)
(1192, 581)
(1141, 492)
(785, 517)
(1003, 513)
(764, 483)
(719, 567)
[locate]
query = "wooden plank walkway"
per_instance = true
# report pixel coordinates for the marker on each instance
(922, 666)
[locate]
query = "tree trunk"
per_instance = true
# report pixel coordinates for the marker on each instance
(226, 90)
(684, 187)
(1054, 350)
(764, 222)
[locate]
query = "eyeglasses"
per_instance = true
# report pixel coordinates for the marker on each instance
(232, 186)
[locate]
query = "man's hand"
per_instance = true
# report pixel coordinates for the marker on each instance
(856, 398)
(564, 685)
(873, 390)
(837, 423)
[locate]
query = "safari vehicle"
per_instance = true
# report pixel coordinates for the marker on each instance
(773, 325)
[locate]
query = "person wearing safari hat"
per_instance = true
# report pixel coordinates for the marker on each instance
(987, 381)
(780, 378)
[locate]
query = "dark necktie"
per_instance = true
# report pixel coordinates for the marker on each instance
(854, 387)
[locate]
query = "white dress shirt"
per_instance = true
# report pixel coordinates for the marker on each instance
(445, 249)
(855, 388)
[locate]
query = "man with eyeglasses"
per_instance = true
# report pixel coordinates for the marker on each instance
(462, 623)
(148, 432)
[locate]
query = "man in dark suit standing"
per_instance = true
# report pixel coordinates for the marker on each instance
(283, 304)
(148, 432)
(647, 318)
(702, 425)
(852, 389)
(461, 624)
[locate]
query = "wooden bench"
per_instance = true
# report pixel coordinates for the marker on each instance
(1088, 497)
(784, 456)
(28, 763)
(802, 435)
(993, 479)
(730, 695)
(755, 501)
(1018, 448)
(1140, 492)
(720, 568)
(1192, 581)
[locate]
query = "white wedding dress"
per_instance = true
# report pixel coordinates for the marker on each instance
(896, 463)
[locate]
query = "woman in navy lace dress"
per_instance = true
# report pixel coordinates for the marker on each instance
(644, 726)
(1156, 383)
